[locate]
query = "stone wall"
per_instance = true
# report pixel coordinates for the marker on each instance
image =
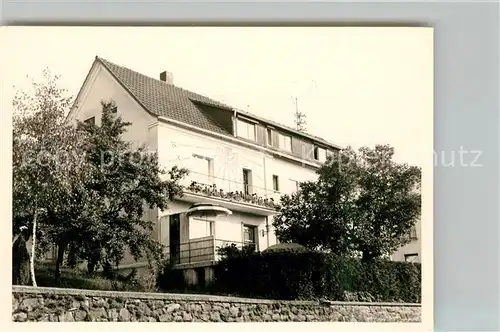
(68, 305)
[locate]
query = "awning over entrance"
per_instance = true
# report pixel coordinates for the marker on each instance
(228, 204)
(207, 209)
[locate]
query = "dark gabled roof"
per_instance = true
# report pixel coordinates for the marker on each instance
(170, 101)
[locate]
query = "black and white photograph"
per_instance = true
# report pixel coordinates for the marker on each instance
(221, 174)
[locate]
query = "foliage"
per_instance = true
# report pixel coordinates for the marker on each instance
(232, 250)
(80, 279)
(286, 247)
(40, 139)
(315, 275)
(170, 278)
(306, 218)
(124, 183)
(363, 202)
(44, 174)
(89, 188)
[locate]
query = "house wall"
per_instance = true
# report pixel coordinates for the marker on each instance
(231, 228)
(177, 146)
(227, 228)
(414, 247)
(288, 174)
(101, 86)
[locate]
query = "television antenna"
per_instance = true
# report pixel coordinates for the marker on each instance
(300, 117)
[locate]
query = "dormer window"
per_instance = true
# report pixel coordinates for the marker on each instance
(269, 136)
(285, 142)
(246, 130)
(319, 154)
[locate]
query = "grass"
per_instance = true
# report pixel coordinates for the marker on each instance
(80, 279)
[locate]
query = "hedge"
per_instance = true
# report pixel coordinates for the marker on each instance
(313, 275)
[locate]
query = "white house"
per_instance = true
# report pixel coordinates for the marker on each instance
(239, 162)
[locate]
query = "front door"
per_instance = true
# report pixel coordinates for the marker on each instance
(250, 236)
(175, 238)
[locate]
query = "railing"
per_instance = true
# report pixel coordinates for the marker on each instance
(193, 251)
(199, 250)
(231, 190)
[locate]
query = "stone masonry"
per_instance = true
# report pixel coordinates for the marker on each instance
(69, 305)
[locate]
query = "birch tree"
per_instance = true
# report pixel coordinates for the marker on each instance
(46, 159)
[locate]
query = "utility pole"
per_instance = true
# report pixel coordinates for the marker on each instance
(300, 117)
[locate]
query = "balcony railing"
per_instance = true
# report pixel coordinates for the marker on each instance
(204, 249)
(231, 190)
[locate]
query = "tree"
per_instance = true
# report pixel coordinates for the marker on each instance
(68, 193)
(306, 218)
(122, 183)
(362, 202)
(42, 173)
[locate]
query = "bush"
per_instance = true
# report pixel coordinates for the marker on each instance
(232, 250)
(287, 247)
(170, 278)
(314, 275)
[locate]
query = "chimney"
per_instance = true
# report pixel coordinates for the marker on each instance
(167, 77)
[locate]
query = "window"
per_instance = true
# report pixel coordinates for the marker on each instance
(249, 232)
(296, 184)
(90, 120)
(285, 142)
(276, 184)
(247, 181)
(319, 154)
(269, 136)
(199, 227)
(413, 233)
(322, 155)
(411, 258)
(246, 130)
(202, 169)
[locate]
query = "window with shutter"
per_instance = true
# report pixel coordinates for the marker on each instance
(246, 130)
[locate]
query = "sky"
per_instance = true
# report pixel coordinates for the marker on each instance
(357, 86)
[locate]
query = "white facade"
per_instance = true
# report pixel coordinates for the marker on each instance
(222, 162)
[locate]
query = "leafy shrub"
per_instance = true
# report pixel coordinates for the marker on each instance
(232, 250)
(314, 275)
(170, 278)
(287, 247)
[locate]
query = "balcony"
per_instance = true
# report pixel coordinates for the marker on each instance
(199, 252)
(232, 192)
